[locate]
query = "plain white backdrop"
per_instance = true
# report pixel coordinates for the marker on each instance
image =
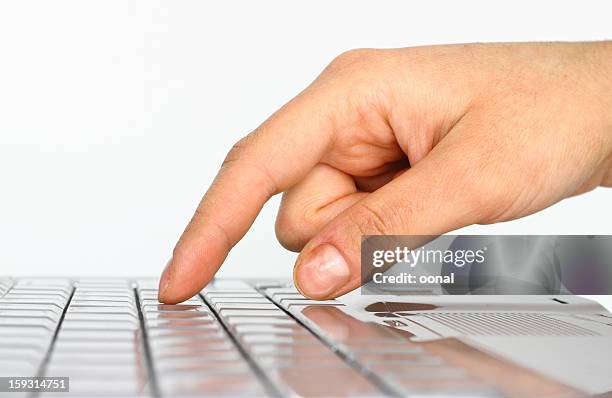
(114, 115)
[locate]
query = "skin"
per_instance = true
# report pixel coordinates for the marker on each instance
(407, 141)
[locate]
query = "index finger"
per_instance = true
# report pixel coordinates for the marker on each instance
(270, 160)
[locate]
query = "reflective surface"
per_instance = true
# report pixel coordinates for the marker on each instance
(112, 338)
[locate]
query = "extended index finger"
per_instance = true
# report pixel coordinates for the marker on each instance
(270, 160)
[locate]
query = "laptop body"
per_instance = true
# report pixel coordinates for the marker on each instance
(111, 337)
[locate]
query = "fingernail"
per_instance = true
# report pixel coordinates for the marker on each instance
(321, 272)
(164, 281)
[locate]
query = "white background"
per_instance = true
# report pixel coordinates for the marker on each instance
(114, 115)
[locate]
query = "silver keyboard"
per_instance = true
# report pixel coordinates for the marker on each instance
(112, 337)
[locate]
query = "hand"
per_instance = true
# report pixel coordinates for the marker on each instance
(407, 141)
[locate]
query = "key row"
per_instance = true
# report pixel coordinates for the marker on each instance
(295, 361)
(191, 352)
(100, 345)
(29, 316)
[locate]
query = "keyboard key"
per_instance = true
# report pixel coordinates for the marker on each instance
(263, 320)
(28, 307)
(44, 322)
(98, 357)
(322, 382)
(29, 313)
(228, 286)
(59, 303)
(213, 385)
(279, 339)
(182, 333)
(196, 357)
(214, 295)
(236, 312)
(17, 367)
(101, 300)
(453, 388)
(102, 287)
(119, 292)
(86, 346)
(286, 329)
(376, 347)
(27, 353)
(174, 307)
(246, 306)
(201, 343)
(16, 331)
(100, 310)
(291, 296)
(103, 295)
(27, 295)
(110, 317)
(44, 282)
(244, 300)
(39, 343)
(94, 385)
(101, 281)
(192, 301)
(401, 365)
(389, 357)
(149, 315)
(99, 370)
(182, 324)
(102, 304)
(35, 288)
(276, 361)
(316, 349)
(71, 324)
(281, 290)
(148, 295)
(200, 369)
(95, 335)
(286, 303)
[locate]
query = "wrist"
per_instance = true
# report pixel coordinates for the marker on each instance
(602, 70)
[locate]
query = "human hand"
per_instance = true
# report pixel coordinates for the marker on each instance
(407, 141)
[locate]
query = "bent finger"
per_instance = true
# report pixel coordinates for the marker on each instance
(308, 206)
(429, 199)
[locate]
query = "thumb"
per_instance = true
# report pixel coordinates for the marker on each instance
(429, 199)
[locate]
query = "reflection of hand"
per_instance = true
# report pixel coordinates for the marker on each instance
(408, 141)
(340, 326)
(306, 359)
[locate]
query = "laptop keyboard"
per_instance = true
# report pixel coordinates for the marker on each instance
(112, 337)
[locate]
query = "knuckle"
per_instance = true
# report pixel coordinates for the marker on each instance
(242, 153)
(296, 224)
(352, 60)
(238, 150)
(374, 219)
(290, 232)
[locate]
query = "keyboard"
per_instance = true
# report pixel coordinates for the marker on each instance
(112, 337)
